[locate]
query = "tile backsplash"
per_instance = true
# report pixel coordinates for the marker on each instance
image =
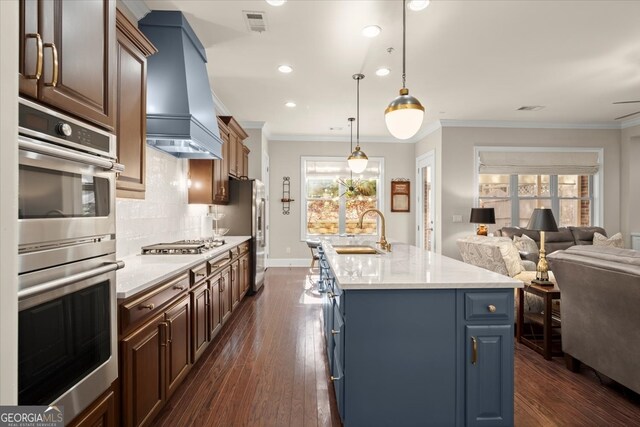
(164, 215)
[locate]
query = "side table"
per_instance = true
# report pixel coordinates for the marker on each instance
(548, 320)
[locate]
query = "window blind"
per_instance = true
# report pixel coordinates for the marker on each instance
(538, 163)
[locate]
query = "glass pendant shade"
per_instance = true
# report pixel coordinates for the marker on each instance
(404, 115)
(358, 161)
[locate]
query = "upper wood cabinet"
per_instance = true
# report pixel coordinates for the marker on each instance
(66, 56)
(236, 137)
(131, 113)
(245, 162)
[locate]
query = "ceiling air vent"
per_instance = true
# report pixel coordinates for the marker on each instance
(531, 108)
(256, 21)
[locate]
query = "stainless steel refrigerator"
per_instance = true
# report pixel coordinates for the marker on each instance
(245, 216)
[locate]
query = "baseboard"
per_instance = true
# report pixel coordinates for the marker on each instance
(289, 262)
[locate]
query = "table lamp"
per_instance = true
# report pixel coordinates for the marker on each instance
(482, 216)
(542, 220)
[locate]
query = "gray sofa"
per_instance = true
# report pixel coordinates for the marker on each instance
(564, 238)
(600, 317)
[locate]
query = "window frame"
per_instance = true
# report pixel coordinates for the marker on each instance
(380, 192)
(596, 182)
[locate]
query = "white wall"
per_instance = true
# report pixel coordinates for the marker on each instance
(9, 204)
(629, 181)
(399, 162)
(254, 144)
(164, 215)
(433, 142)
(457, 170)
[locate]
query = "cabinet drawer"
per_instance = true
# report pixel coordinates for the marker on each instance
(243, 248)
(488, 305)
(219, 262)
(198, 274)
(139, 309)
(234, 252)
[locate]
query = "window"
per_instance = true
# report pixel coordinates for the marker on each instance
(333, 200)
(514, 197)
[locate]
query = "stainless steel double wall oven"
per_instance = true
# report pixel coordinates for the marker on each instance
(67, 334)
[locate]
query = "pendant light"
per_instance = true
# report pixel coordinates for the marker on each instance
(358, 160)
(404, 114)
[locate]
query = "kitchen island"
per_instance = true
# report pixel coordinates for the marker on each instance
(417, 338)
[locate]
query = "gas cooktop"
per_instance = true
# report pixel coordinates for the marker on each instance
(182, 247)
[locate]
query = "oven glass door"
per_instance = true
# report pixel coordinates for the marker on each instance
(62, 200)
(61, 341)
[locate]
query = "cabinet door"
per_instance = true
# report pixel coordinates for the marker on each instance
(30, 55)
(245, 273)
(225, 294)
(233, 154)
(235, 284)
(221, 169)
(201, 181)
(245, 162)
(200, 307)
(215, 311)
(489, 375)
(143, 373)
(79, 58)
(131, 112)
(179, 344)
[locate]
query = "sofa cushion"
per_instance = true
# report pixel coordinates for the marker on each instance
(517, 231)
(619, 255)
(614, 241)
(584, 235)
(511, 257)
(525, 243)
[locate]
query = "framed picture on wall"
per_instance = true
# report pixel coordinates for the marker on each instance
(400, 196)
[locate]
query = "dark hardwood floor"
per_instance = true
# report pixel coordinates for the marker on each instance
(268, 368)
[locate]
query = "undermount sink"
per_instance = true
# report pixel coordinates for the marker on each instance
(356, 250)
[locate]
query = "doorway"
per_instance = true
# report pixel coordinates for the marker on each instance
(425, 201)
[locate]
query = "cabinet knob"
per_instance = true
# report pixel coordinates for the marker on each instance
(491, 308)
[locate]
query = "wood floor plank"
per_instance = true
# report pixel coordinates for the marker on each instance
(268, 367)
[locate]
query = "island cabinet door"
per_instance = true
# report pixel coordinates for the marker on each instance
(489, 375)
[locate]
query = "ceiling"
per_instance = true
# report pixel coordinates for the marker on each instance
(466, 60)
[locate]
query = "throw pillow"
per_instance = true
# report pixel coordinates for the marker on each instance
(614, 241)
(525, 244)
(511, 257)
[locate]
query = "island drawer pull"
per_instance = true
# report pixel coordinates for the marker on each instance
(147, 307)
(331, 294)
(474, 350)
(491, 308)
(332, 378)
(334, 332)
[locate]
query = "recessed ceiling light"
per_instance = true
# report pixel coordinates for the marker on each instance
(371, 31)
(290, 104)
(418, 4)
(285, 69)
(276, 2)
(382, 72)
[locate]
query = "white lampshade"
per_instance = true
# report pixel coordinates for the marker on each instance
(404, 115)
(358, 165)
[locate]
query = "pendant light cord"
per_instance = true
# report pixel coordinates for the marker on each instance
(358, 114)
(350, 145)
(404, 41)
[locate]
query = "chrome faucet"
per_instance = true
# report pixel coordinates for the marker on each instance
(383, 240)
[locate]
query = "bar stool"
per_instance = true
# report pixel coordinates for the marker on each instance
(313, 246)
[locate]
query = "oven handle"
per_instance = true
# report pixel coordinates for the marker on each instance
(64, 281)
(52, 150)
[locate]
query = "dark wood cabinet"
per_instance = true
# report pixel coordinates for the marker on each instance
(221, 168)
(236, 137)
(133, 48)
(76, 57)
(225, 295)
(201, 183)
(235, 284)
(200, 307)
(178, 343)
(245, 162)
(101, 413)
(143, 372)
(245, 274)
(215, 308)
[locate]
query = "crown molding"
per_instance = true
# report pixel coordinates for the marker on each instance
(526, 125)
(138, 8)
(252, 124)
(221, 109)
(630, 123)
(342, 138)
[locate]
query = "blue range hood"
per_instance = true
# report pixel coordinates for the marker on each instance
(181, 117)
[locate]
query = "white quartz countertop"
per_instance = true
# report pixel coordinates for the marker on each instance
(408, 267)
(141, 272)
